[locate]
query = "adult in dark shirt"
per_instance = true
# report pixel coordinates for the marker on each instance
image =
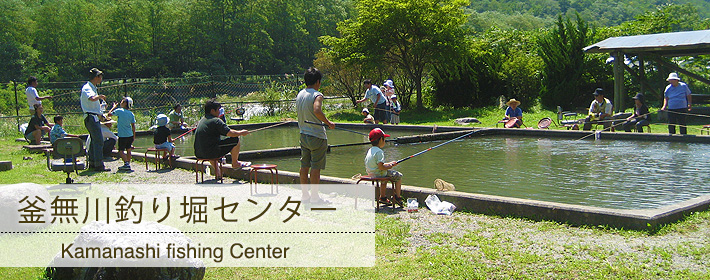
(207, 139)
(640, 118)
(38, 126)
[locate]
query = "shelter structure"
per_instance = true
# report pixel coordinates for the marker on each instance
(655, 47)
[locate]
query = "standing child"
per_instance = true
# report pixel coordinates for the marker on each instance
(162, 139)
(376, 166)
(396, 108)
(126, 126)
(57, 131)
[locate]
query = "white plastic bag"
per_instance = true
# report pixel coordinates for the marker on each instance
(439, 207)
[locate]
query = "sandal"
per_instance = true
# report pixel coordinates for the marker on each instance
(383, 200)
(398, 200)
(320, 201)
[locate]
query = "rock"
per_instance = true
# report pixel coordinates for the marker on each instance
(10, 197)
(5, 165)
(465, 121)
(127, 234)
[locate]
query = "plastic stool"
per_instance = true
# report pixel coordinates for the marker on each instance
(199, 163)
(378, 182)
(158, 157)
(254, 171)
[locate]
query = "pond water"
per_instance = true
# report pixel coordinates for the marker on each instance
(607, 173)
(272, 138)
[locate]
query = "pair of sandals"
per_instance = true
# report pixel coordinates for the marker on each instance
(395, 200)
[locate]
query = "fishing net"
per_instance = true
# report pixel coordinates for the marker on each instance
(444, 186)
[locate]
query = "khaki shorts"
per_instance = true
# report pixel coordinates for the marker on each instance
(393, 175)
(313, 151)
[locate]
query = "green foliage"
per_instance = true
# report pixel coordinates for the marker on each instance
(411, 35)
(500, 63)
(566, 79)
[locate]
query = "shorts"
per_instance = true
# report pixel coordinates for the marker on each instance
(313, 151)
(167, 145)
(125, 143)
(393, 175)
(226, 145)
(381, 112)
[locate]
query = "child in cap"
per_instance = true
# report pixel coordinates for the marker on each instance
(126, 126)
(396, 108)
(162, 139)
(57, 131)
(368, 118)
(376, 166)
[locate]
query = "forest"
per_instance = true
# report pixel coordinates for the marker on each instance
(485, 48)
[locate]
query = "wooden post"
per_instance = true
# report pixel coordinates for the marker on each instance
(619, 82)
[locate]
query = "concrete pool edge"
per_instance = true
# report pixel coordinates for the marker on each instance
(634, 219)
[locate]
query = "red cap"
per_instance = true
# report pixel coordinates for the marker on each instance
(377, 133)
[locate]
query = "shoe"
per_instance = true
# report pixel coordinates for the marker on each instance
(101, 169)
(398, 200)
(320, 201)
(124, 167)
(384, 200)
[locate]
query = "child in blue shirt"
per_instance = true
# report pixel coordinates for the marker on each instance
(161, 138)
(376, 166)
(126, 126)
(57, 131)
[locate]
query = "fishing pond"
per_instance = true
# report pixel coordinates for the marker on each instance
(618, 174)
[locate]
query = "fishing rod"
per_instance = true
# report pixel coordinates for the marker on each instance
(181, 135)
(345, 129)
(442, 144)
(275, 125)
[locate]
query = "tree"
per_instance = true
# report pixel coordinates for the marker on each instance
(411, 35)
(564, 63)
(343, 78)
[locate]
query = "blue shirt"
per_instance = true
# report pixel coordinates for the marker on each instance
(677, 96)
(125, 119)
(373, 93)
(518, 113)
(57, 132)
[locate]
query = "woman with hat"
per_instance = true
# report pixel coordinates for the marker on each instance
(513, 112)
(640, 118)
(678, 102)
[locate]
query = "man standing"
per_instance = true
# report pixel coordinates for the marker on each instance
(678, 101)
(378, 99)
(207, 139)
(32, 95)
(314, 141)
(91, 106)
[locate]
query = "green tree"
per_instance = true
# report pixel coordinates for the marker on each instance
(16, 52)
(564, 63)
(411, 35)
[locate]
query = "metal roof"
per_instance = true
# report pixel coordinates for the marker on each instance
(666, 44)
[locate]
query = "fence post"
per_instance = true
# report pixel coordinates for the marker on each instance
(17, 106)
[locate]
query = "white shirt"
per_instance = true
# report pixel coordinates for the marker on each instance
(87, 106)
(374, 156)
(32, 96)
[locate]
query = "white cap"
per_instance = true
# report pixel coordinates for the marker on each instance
(389, 83)
(161, 120)
(129, 101)
(365, 110)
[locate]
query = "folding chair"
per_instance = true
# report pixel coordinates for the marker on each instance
(566, 118)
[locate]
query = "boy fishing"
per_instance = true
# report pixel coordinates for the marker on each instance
(376, 166)
(162, 139)
(126, 126)
(57, 131)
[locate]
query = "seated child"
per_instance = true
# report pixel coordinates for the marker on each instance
(376, 166)
(57, 131)
(162, 139)
(126, 126)
(368, 118)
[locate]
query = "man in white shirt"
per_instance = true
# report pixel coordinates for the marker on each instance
(91, 106)
(32, 95)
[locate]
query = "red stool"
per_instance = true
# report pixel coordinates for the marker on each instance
(159, 153)
(254, 171)
(379, 183)
(199, 164)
